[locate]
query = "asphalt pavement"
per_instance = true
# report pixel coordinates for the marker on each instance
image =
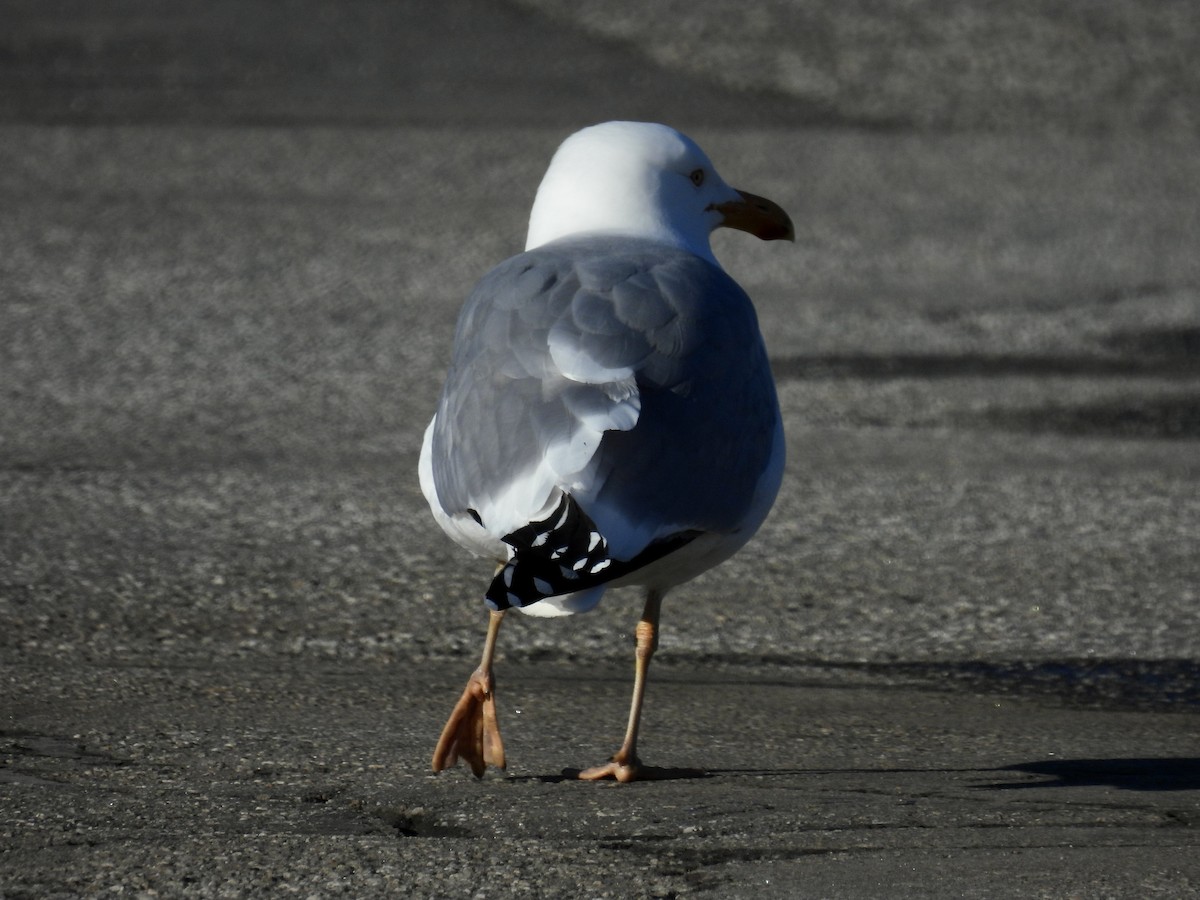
(961, 659)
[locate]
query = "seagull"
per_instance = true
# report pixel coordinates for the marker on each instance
(609, 417)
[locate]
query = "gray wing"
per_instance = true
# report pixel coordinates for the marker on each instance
(626, 375)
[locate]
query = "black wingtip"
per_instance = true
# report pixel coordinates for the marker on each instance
(560, 554)
(563, 554)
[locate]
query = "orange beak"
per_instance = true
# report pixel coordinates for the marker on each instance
(758, 216)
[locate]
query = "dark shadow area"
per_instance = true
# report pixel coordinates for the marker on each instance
(1163, 355)
(1161, 685)
(1163, 418)
(542, 779)
(1174, 343)
(1149, 774)
(652, 773)
(825, 772)
(934, 366)
(1140, 774)
(369, 63)
(1108, 683)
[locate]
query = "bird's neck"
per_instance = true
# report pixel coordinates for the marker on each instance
(697, 245)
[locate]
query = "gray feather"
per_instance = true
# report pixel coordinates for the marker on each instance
(685, 330)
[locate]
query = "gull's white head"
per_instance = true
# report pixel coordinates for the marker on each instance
(644, 180)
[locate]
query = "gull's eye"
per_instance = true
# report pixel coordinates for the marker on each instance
(697, 177)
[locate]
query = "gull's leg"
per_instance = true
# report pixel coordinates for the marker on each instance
(473, 731)
(625, 763)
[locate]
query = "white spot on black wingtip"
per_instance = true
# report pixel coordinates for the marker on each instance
(600, 566)
(593, 541)
(566, 511)
(508, 577)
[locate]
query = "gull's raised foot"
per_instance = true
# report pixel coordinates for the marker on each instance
(472, 732)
